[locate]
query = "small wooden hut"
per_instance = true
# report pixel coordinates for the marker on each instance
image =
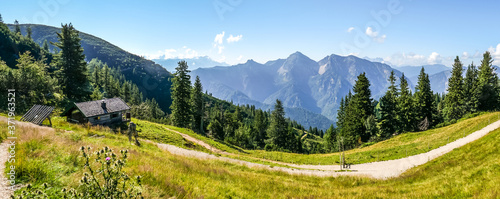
(99, 112)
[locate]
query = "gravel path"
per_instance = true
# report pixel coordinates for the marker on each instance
(5, 190)
(378, 170)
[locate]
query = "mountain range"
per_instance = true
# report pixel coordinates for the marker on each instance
(316, 86)
(298, 81)
(153, 80)
(310, 90)
(196, 62)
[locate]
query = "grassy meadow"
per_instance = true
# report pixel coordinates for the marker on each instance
(54, 157)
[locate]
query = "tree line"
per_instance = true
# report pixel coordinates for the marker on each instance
(243, 126)
(361, 119)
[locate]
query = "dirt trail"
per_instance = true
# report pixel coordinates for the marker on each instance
(198, 142)
(5, 190)
(379, 170)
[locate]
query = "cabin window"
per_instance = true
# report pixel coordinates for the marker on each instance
(114, 115)
(97, 118)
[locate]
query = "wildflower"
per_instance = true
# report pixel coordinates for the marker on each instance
(108, 158)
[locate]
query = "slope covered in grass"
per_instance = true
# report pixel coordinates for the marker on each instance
(400, 146)
(53, 157)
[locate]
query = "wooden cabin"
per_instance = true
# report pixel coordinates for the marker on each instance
(99, 112)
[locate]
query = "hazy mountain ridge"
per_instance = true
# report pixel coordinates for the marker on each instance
(197, 62)
(297, 81)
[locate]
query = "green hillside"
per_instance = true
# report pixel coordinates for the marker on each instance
(53, 157)
(152, 79)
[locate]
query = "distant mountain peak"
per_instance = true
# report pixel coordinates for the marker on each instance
(251, 61)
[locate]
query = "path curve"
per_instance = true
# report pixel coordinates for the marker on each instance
(378, 170)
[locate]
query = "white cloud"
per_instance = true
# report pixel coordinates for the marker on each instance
(465, 55)
(350, 29)
(218, 42)
(374, 35)
(434, 58)
(181, 53)
(495, 54)
(412, 59)
(221, 59)
(232, 38)
(239, 58)
(370, 32)
(220, 49)
(219, 38)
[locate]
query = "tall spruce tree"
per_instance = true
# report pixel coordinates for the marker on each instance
(181, 94)
(29, 32)
(423, 101)
(330, 139)
(406, 116)
(454, 101)
(488, 84)
(46, 46)
(72, 65)
(388, 110)
(17, 28)
(197, 105)
(106, 81)
(471, 92)
(96, 75)
(341, 114)
(260, 126)
(125, 91)
(1, 19)
(358, 109)
(278, 128)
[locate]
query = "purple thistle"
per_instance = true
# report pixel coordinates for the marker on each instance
(108, 158)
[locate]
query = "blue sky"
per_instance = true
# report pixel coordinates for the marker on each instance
(400, 32)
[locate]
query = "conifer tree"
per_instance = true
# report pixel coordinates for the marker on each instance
(260, 126)
(46, 46)
(423, 101)
(125, 92)
(197, 105)
(106, 81)
(341, 114)
(96, 75)
(72, 65)
(17, 27)
(181, 94)
(454, 101)
(358, 109)
(96, 94)
(330, 139)
(28, 32)
(1, 19)
(278, 128)
(406, 116)
(488, 84)
(388, 110)
(471, 92)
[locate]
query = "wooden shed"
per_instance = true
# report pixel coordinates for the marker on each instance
(37, 114)
(99, 112)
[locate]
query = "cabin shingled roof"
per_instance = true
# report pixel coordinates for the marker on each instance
(93, 108)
